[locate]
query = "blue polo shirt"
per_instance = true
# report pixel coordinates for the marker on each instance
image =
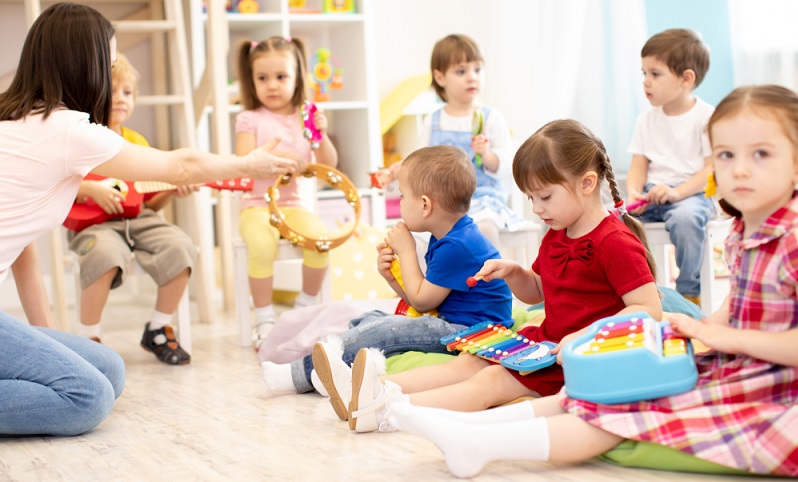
(451, 260)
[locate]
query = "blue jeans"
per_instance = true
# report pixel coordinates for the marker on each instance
(392, 334)
(686, 223)
(54, 383)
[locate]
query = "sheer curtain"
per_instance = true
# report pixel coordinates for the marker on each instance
(764, 44)
(570, 59)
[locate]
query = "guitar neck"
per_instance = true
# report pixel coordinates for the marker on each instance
(238, 184)
(146, 187)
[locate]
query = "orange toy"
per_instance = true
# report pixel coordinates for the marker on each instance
(403, 308)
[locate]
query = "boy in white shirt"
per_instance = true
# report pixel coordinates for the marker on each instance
(670, 149)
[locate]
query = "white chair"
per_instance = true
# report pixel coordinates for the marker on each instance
(285, 254)
(70, 262)
(658, 241)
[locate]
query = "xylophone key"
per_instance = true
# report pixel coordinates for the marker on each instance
(621, 340)
(605, 349)
(469, 336)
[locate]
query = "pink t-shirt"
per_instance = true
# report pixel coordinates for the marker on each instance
(267, 125)
(42, 163)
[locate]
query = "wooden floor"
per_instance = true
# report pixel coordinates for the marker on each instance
(211, 420)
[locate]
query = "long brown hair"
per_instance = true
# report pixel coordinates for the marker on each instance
(66, 60)
(772, 101)
(565, 148)
(249, 51)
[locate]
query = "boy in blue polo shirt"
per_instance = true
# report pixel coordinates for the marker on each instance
(436, 184)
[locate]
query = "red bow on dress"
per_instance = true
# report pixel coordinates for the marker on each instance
(562, 253)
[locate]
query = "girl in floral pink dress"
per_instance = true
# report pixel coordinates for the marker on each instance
(742, 414)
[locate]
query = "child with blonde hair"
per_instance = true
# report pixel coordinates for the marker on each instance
(592, 264)
(273, 79)
(162, 249)
(742, 415)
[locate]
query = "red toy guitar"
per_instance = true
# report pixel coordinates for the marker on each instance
(83, 215)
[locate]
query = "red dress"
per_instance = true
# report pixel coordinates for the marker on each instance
(583, 280)
(743, 412)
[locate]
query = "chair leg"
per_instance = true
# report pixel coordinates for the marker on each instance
(243, 313)
(184, 322)
(325, 295)
(660, 253)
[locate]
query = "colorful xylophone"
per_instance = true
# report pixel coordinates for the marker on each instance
(626, 358)
(496, 342)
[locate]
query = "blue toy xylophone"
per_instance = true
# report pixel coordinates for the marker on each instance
(626, 358)
(496, 342)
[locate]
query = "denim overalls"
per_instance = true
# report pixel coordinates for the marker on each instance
(486, 185)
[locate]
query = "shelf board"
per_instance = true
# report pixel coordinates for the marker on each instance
(327, 106)
(324, 19)
(244, 21)
(337, 194)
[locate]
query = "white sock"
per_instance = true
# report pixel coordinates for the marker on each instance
(467, 455)
(265, 314)
(278, 378)
(304, 299)
(89, 331)
(159, 320)
(507, 413)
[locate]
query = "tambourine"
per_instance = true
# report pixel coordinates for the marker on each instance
(334, 178)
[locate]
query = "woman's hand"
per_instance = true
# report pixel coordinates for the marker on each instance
(266, 164)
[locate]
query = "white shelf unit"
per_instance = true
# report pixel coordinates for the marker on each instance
(353, 110)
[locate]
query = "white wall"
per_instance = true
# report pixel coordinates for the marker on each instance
(544, 59)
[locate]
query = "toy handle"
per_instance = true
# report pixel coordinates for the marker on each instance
(477, 124)
(310, 132)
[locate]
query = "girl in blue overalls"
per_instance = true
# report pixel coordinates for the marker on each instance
(457, 77)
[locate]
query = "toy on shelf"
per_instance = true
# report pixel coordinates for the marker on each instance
(339, 6)
(324, 74)
(248, 6)
(310, 132)
(403, 308)
(497, 342)
(626, 358)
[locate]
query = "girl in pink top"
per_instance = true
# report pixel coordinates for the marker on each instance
(272, 75)
(742, 415)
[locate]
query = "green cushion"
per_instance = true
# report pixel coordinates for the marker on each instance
(647, 455)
